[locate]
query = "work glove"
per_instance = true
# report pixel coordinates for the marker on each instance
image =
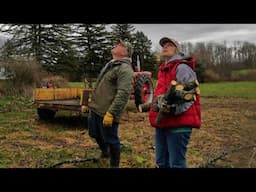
(108, 120)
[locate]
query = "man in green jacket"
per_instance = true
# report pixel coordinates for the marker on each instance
(109, 99)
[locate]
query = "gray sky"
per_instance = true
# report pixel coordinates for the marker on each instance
(199, 32)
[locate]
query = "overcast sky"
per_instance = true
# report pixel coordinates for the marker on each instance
(199, 32)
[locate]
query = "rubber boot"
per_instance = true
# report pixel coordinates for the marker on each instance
(103, 147)
(114, 157)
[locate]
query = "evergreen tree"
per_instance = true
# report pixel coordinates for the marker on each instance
(7, 49)
(122, 31)
(68, 65)
(142, 48)
(45, 42)
(94, 46)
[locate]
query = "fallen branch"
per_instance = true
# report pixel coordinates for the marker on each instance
(94, 160)
(211, 162)
(252, 157)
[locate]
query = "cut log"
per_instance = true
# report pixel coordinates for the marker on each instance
(189, 96)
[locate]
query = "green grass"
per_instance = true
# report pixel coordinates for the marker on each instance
(76, 84)
(245, 89)
(229, 89)
(243, 71)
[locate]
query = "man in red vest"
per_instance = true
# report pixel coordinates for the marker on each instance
(173, 132)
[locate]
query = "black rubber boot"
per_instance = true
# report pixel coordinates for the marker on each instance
(103, 147)
(104, 154)
(114, 157)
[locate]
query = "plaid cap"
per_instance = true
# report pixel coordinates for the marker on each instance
(165, 40)
(127, 45)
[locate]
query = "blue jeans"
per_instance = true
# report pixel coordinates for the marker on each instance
(104, 135)
(171, 148)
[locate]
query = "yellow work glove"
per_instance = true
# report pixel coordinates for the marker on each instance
(108, 120)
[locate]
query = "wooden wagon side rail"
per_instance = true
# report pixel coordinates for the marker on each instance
(54, 99)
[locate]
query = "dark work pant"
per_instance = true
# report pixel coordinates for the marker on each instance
(105, 136)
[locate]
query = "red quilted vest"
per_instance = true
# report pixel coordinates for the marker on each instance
(191, 117)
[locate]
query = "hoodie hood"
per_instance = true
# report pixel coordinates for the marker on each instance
(180, 58)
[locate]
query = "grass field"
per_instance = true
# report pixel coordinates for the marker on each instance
(76, 84)
(228, 123)
(227, 89)
(243, 72)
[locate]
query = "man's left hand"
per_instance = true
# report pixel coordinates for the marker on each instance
(108, 120)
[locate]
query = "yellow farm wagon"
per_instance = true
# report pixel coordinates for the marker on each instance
(49, 100)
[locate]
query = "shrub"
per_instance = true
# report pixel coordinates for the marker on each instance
(200, 72)
(23, 75)
(244, 75)
(211, 76)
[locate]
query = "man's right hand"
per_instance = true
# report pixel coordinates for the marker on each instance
(108, 120)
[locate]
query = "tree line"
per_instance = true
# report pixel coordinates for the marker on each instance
(218, 60)
(74, 50)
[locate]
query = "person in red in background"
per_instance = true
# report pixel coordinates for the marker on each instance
(173, 132)
(50, 84)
